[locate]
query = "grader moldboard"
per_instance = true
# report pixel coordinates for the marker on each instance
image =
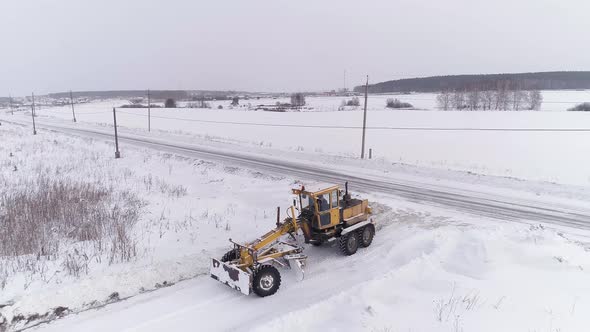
(323, 215)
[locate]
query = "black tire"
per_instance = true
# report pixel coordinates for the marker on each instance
(267, 281)
(317, 243)
(349, 243)
(366, 235)
(231, 255)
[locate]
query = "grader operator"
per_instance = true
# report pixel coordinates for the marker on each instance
(323, 214)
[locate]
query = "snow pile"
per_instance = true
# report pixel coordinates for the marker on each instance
(427, 270)
(457, 279)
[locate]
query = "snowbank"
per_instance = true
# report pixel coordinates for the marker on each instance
(427, 270)
(458, 279)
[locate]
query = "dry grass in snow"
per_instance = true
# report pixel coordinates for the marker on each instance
(79, 228)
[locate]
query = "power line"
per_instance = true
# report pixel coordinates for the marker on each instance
(62, 112)
(93, 112)
(259, 124)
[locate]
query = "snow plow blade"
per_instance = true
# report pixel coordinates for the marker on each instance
(231, 276)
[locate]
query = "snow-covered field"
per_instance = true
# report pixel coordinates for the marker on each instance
(554, 156)
(429, 269)
(191, 208)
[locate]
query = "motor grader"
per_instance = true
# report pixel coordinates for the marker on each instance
(321, 214)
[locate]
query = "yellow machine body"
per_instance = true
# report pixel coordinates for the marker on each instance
(323, 215)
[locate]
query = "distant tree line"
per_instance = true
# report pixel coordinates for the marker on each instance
(500, 96)
(529, 81)
(186, 95)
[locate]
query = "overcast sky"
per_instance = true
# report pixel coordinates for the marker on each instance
(276, 45)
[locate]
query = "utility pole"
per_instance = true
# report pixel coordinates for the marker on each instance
(117, 153)
(149, 112)
(72, 102)
(11, 106)
(365, 119)
(33, 113)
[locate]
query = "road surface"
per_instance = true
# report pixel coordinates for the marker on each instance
(494, 206)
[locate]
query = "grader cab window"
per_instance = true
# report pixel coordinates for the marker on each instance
(323, 203)
(334, 196)
(306, 201)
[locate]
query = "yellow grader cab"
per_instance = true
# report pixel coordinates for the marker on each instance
(323, 214)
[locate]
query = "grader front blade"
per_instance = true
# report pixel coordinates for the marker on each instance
(231, 276)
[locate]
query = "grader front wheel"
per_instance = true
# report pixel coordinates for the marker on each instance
(267, 281)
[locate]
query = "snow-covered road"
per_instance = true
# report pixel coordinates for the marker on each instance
(458, 198)
(202, 304)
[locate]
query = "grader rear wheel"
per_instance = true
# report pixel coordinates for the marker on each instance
(349, 243)
(366, 235)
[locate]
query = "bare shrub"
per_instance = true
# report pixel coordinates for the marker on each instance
(298, 99)
(166, 188)
(487, 99)
(499, 303)
(518, 98)
(201, 103)
(505, 95)
(443, 100)
(473, 98)
(3, 276)
(535, 99)
(178, 191)
(471, 301)
(170, 103)
(353, 102)
(447, 308)
(40, 215)
(584, 107)
(123, 248)
(75, 263)
(396, 103)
